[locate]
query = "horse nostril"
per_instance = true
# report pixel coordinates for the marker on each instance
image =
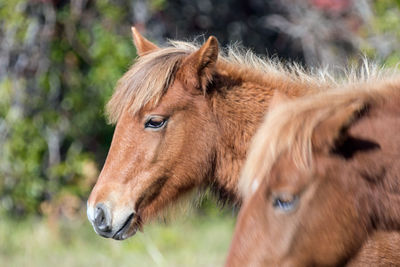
(102, 218)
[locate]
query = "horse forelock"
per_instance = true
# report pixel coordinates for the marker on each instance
(289, 127)
(145, 82)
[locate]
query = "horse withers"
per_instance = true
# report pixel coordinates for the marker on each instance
(322, 182)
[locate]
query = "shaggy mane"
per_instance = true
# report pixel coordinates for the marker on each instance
(151, 75)
(288, 128)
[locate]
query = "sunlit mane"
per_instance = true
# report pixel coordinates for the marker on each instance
(150, 76)
(289, 127)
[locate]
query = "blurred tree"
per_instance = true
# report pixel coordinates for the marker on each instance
(231, 21)
(59, 61)
(381, 39)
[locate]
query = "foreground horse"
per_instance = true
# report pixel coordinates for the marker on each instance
(322, 175)
(184, 115)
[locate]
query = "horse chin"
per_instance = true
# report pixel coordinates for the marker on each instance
(130, 227)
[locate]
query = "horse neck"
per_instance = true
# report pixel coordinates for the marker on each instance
(240, 101)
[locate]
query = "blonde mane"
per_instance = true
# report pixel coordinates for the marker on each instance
(288, 128)
(151, 75)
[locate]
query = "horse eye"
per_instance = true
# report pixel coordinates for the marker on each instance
(155, 123)
(285, 202)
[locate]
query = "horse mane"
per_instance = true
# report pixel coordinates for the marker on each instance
(288, 128)
(150, 76)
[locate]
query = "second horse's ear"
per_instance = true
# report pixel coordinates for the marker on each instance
(199, 66)
(334, 127)
(143, 46)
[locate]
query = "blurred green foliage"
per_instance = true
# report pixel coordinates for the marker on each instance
(382, 39)
(52, 129)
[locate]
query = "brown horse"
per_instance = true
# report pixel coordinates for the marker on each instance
(322, 175)
(184, 116)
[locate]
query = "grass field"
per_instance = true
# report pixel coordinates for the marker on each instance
(195, 240)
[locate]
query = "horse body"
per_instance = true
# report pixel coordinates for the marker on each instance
(184, 118)
(323, 187)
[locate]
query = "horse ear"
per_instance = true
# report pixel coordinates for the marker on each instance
(200, 65)
(331, 130)
(143, 46)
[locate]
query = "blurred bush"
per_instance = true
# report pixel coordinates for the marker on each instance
(381, 40)
(59, 61)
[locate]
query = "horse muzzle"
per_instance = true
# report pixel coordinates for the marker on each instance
(119, 227)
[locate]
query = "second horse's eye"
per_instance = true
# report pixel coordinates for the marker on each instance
(155, 123)
(285, 202)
